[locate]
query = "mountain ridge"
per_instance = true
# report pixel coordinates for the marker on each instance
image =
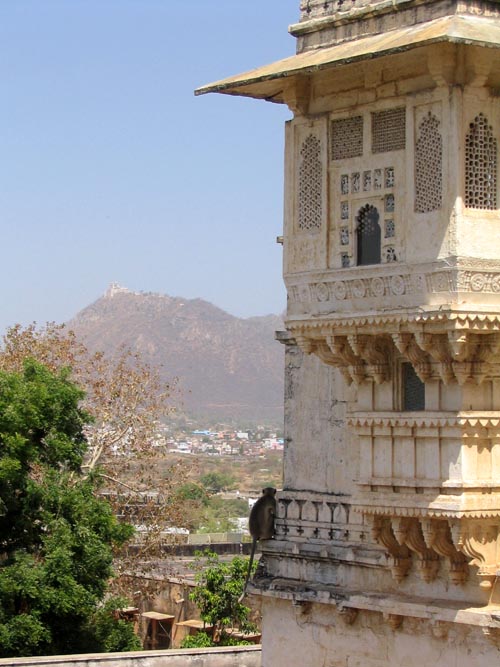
(229, 368)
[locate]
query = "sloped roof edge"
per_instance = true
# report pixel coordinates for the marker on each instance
(258, 82)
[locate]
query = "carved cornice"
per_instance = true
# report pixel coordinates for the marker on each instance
(404, 320)
(468, 420)
(378, 508)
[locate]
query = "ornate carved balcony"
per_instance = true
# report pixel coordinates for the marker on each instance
(430, 485)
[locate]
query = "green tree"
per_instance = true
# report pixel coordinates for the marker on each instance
(127, 402)
(56, 536)
(216, 481)
(219, 586)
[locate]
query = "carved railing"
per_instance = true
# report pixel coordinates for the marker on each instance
(310, 524)
(387, 285)
(313, 518)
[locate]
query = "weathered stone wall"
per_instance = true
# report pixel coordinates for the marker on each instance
(321, 635)
(244, 656)
(314, 456)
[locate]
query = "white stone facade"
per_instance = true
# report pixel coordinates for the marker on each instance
(387, 546)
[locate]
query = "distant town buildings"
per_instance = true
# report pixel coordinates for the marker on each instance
(224, 443)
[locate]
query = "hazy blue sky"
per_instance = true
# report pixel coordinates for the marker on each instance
(111, 169)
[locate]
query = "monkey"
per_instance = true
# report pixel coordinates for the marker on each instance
(260, 525)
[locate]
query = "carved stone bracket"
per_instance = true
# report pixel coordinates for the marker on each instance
(437, 536)
(461, 541)
(457, 355)
(400, 557)
(378, 352)
(394, 621)
(454, 355)
(351, 363)
(479, 541)
(408, 531)
(348, 615)
(419, 359)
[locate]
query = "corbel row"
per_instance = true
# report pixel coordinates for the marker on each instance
(456, 356)
(462, 542)
(358, 356)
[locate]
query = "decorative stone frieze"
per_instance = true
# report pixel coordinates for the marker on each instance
(389, 284)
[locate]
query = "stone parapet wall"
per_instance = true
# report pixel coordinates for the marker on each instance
(240, 656)
(323, 23)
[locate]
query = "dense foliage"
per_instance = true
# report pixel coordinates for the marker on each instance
(126, 400)
(217, 481)
(56, 536)
(219, 585)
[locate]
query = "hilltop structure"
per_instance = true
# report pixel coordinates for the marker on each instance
(388, 540)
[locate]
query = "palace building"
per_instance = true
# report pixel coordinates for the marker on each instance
(387, 546)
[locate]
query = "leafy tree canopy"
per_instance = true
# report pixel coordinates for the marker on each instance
(216, 481)
(127, 401)
(56, 536)
(219, 585)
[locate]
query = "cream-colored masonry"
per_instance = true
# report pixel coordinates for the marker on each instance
(450, 230)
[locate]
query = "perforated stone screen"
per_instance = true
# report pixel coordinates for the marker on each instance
(480, 165)
(389, 130)
(347, 138)
(428, 166)
(310, 211)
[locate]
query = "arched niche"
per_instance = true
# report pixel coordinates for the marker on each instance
(368, 236)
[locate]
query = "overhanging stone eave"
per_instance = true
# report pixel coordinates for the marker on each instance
(273, 82)
(389, 603)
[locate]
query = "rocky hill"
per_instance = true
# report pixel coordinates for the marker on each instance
(228, 368)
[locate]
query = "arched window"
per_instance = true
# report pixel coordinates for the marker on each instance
(368, 236)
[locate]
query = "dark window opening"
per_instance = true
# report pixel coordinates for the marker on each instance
(413, 389)
(368, 236)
